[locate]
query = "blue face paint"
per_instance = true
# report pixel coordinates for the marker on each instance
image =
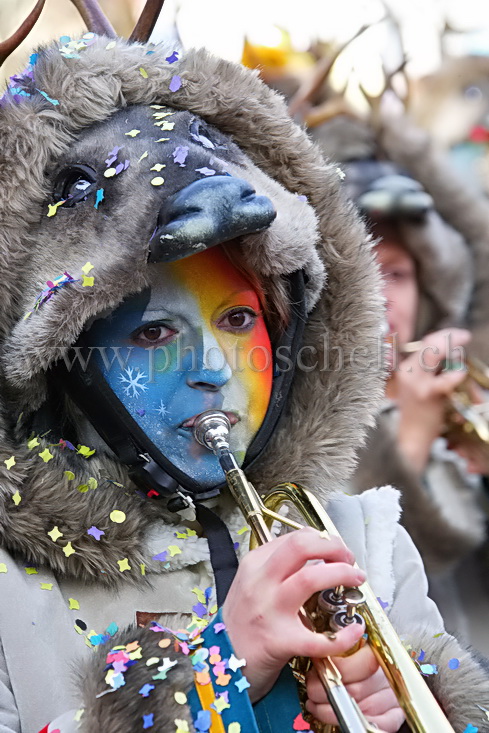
(168, 356)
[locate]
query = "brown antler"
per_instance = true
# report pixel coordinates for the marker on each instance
(94, 17)
(8, 46)
(147, 21)
(310, 87)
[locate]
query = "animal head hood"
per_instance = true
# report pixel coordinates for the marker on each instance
(65, 264)
(380, 160)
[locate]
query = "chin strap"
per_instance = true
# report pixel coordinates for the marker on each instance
(221, 548)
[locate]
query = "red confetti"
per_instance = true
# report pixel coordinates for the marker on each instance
(300, 723)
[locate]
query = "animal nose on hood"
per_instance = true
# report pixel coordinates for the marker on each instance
(208, 212)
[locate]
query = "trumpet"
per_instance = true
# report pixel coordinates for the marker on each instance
(335, 607)
(467, 415)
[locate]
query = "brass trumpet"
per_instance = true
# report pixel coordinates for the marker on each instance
(358, 605)
(467, 416)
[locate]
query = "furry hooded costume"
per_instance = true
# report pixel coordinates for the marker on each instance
(66, 110)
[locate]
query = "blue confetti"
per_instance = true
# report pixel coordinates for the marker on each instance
(146, 689)
(471, 729)
(242, 684)
(111, 629)
(175, 84)
(99, 197)
(53, 101)
(454, 663)
(33, 58)
(429, 669)
(203, 721)
(161, 556)
(172, 58)
(421, 656)
(148, 720)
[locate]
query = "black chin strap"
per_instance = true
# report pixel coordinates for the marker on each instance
(223, 556)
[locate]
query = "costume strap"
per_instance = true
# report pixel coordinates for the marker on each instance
(221, 548)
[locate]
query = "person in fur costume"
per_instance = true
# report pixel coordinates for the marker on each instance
(428, 264)
(154, 202)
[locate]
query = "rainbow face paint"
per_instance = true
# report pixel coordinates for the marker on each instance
(195, 340)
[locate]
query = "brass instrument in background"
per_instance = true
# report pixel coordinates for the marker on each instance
(467, 417)
(334, 607)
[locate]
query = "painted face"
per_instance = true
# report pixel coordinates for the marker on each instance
(195, 341)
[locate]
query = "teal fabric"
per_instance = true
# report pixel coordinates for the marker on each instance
(275, 713)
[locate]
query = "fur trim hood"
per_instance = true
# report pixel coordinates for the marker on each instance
(440, 243)
(43, 119)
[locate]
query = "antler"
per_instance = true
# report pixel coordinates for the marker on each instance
(8, 46)
(375, 102)
(310, 87)
(94, 17)
(147, 21)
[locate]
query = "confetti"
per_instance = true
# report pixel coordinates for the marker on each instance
(242, 684)
(161, 556)
(206, 171)
(175, 84)
(165, 125)
(46, 586)
(85, 451)
(243, 530)
(16, 498)
(110, 45)
(31, 571)
(99, 197)
(73, 604)
(157, 181)
(55, 534)
(162, 140)
(117, 516)
(3, 567)
(50, 99)
(383, 604)
(10, 462)
(69, 475)
(182, 726)
(220, 704)
(87, 282)
(203, 721)
(142, 567)
(471, 729)
(180, 698)
(158, 167)
(429, 669)
(94, 532)
(172, 58)
(148, 720)
(146, 689)
(300, 723)
(219, 627)
(234, 663)
(180, 155)
(123, 564)
(87, 267)
(143, 72)
(133, 133)
(46, 455)
(174, 550)
(454, 663)
(68, 549)
(53, 208)
(234, 728)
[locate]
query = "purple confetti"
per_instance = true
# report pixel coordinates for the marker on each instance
(127, 163)
(180, 155)
(94, 532)
(199, 609)
(175, 84)
(141, 412)
(172, 58)
(161, 556)
(148, 720)
(119, 168)
(383, 604)
(219, 627)
(301, 197)
(112, 156)
(146, 689)
(206, 171)
(203, 140)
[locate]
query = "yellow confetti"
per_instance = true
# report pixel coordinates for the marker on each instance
(156, 106)
(92, 483)
(73, 604)
(220, 704)
(163, 140)
(87, 282)
(31, 571)
(136, 654)
(3, 567)
(191, 533)
(85, 451)
(32, 443)
(234, 728)
(152, 660)
(143, 568)
(46, 455)
(157, 181)
(55, 534)
(213, 609)
(165, 125)
(160, 115)
(117, 516)
(180, 698)
(143, 72)
(46, 586)
(174, 550)
(79, 713)
(53, 208)
(110, 45)
(200, 594)
(16, 498)
(243, 530)
(87, 267)
(9, 462)
(144, 155)
(110, 171)
(158, 167)
(123, 564)
(69, 475)
(27, 315)
(182, 726)
(133, 133)
(68, 549)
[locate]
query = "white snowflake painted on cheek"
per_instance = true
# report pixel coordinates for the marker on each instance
(162, 410)
(132, 382)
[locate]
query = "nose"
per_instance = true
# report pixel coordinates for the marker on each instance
(210, 370)
(206, 213)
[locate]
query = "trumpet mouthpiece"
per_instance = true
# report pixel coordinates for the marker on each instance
(211, 429)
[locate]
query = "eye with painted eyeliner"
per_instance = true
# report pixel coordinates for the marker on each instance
(153, 334)
(238, 320)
